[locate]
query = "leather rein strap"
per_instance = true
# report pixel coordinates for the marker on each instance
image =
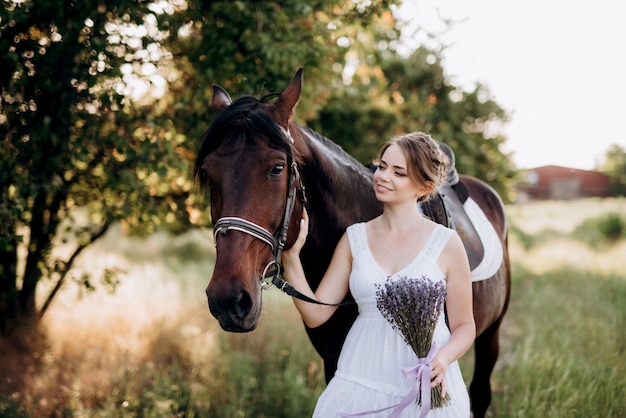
(291, 291)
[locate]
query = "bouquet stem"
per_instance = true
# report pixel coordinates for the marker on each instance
(436, 400)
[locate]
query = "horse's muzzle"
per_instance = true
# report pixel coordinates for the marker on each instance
(235, 312)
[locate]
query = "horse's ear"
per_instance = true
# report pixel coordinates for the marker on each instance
(284, 107)
(220, 100)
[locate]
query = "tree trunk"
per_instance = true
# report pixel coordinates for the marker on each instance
(18, 306)
(8, 281)
(38, 246)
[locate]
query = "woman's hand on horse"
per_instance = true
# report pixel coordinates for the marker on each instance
(302, 234)
(304, 230)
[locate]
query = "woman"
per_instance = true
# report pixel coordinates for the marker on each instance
(398, 243)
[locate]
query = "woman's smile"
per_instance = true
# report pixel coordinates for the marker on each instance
(382, 188)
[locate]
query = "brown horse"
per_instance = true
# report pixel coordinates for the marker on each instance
(261, 169)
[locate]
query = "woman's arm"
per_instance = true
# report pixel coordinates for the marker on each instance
(334, 285)
(458, 306)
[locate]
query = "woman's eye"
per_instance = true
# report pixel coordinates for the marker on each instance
(277, 169)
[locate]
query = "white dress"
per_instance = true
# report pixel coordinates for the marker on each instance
(369, 375)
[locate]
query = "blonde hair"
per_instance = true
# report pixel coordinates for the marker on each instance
(426, 161)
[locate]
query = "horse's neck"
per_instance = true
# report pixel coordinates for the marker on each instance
(338, 182)
(339, 192)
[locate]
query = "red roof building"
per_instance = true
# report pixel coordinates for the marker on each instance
(563, 183)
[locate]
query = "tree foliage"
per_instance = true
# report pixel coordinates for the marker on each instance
(72, 139)
(256, 48)
(615, 167)
(413, 94)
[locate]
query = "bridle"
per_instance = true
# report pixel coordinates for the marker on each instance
(273, 270)
(276, 242)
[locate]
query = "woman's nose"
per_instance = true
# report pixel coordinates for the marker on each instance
(383, 174)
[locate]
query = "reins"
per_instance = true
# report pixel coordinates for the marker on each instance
(281, 284)
(276, 242)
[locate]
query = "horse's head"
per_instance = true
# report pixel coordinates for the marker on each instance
(247, 161)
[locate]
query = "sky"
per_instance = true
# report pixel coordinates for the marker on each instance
(557, 66)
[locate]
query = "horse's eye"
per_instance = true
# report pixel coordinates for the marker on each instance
(277, 169)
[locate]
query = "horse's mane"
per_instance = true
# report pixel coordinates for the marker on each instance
(336, 150)
(338, 156)
(246, 116)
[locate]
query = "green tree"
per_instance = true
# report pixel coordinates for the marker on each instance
(72, 139)
(256, 48)
(615, 167)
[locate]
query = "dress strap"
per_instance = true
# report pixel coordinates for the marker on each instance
(437, 241)
(357, 239)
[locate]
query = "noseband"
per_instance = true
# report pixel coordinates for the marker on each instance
(276, 242)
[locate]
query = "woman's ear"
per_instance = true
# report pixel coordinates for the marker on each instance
(427, 188)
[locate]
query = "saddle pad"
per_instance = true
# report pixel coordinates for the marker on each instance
(494, 252)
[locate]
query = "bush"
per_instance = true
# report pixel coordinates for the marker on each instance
(10, 409)
(605, 229)
(612, 226)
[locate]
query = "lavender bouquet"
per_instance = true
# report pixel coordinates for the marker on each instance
(412, 307)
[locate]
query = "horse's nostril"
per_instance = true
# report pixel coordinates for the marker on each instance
(244, 304)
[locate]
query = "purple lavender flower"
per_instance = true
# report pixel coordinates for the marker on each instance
(412, 306)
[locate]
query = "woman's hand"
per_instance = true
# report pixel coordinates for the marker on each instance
(302, 234)
(438, 368)
(333, 286)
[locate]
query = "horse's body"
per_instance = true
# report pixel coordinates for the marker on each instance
(246, 161)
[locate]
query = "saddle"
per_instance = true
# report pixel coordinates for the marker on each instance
(446, 208)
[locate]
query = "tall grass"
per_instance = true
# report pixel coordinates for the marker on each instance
(563, 354)
(153, 350)
(563, 337)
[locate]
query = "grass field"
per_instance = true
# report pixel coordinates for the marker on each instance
(152, 349)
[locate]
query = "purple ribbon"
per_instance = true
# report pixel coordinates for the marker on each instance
(421, 372)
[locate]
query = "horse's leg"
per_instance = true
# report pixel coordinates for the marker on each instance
(328, 346)
(486, 350)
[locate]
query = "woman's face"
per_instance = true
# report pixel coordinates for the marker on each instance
(391, 180)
